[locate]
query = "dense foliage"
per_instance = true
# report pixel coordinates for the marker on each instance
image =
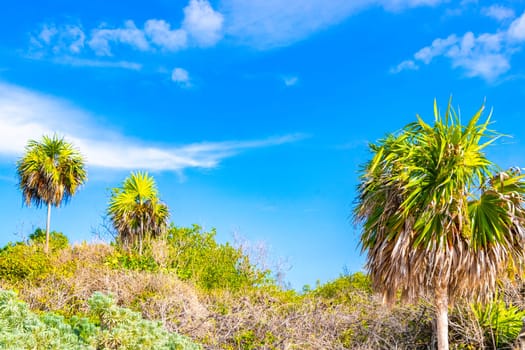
(136, 211)
(106, 326)
(211, 293)
(193, 255)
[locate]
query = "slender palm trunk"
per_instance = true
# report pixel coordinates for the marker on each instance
(48, 224)
(442, 316)
(141, 236)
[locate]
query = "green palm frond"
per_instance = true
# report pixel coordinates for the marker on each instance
(136, 211)
(50, 171)
(434, 208)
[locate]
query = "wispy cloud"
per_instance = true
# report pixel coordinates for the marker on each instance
(290, 80)
(86, 62)
(25, 114)
(258, 23)
(516, 31)
(161, 34)
(498, 12)
(181, 77)
(202, 26)
(486, 55)
(57, 40)
(102, 38)
(273, 23)
(405, 65)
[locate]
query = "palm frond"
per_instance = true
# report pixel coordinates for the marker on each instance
(136, 211)
(431, 210)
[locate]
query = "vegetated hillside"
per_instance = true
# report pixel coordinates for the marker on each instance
(209, 295)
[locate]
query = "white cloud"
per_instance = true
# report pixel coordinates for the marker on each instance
(274, 23)
(397, 5)
(489, 66)
(517, 29)
(201, 26)
(47, 33)
(405, 65)
(437, 48)
(25, 114)
(161, 34)
(66, 39)
(181, 77)
(498, 12)
(128, 35)
(202, 23)
(84, 62)
(486, 55)
(291, 80)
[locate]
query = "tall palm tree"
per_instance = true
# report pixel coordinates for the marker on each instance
(50, 172)
(437, 216)
(136, 211)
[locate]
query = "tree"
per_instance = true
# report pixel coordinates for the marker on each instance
(136, 211)
(437, 216)
(50, 172)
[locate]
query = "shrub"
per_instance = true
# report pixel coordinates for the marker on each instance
(124, 329)
(57, 240)
(27, 260)
(131, 260)
(20, 261)
(343, 288)
(501, 323)
(196, 255)
(107, 327)
(22, 329)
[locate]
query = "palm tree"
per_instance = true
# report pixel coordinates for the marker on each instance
(437, 216)
(50, 172)
(136, 211)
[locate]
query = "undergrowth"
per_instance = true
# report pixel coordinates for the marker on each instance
(187, 289)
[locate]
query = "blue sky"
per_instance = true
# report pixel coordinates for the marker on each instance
(253, 116)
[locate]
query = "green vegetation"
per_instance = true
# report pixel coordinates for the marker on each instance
(221, 301)
(438, 217)
(50, 172)
(136, 211)
(441, 224)
(195, 256)
(106, 326)
(501, 323)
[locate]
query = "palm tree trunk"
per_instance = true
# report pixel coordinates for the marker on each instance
(48, 224)
(141, 235)
(442, 316)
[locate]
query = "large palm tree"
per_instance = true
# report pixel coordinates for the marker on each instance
(136, 210)
(437, 216)
(50, 172)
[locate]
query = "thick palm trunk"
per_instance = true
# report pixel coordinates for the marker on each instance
(48, 224)
(442, 317)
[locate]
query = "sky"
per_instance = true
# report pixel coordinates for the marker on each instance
(253, 116)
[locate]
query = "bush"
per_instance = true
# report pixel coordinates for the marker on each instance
(124, 329)
(22, 329)
(57, 240)
(27, 260)
(107, 327)
(20, 261)
(344, 288)
(194, 256)
(131, 260)
(500, 323)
